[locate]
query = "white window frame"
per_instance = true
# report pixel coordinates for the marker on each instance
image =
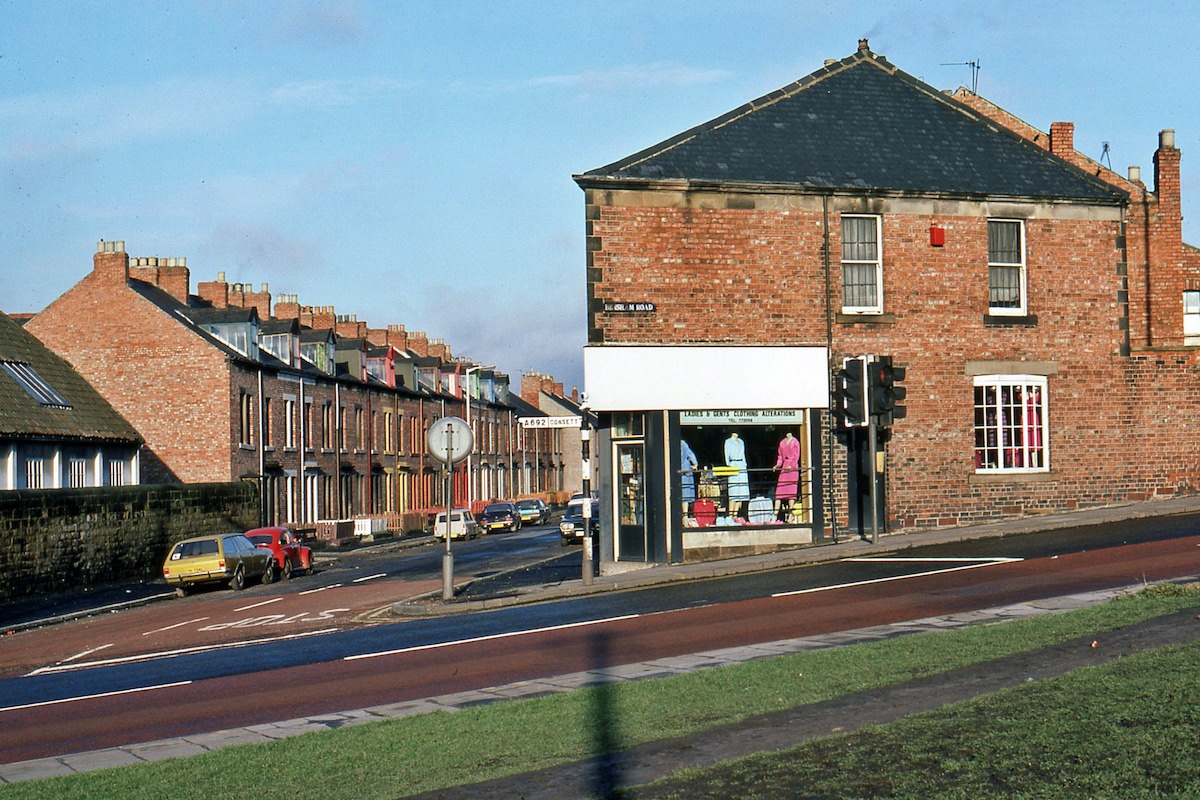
(35, 472)
(994, 423)
(877, 263)
(1023, 308)
(1191, 317)
(77, 472)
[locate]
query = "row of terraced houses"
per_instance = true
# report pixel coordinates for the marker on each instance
(328, 416)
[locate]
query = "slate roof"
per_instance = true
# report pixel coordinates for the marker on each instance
(193, 317)
(22, 416)
(859, 125)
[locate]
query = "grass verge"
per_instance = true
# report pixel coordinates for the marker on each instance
(399, 757)
(1126, 729)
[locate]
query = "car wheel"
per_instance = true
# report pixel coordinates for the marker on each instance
(238, 581)
(289, 571)
(181, 591)
(269, 574)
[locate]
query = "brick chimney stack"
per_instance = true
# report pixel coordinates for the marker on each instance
(242, 295)
(214, 292)
(1166, 178)
(322, 318)
(531, 387)
(348, 327)
(1062, 139)
(111, 263)
(418, 342)
(287, 306)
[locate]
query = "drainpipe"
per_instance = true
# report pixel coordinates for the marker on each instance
(337, 446)
(832, 512)
(262, 464)
(303, 412)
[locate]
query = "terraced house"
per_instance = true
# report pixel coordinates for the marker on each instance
(327, 416)
(1044, 307)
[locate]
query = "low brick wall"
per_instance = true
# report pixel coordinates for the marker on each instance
(58, 539)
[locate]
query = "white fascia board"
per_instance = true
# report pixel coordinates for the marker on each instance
(704, 377)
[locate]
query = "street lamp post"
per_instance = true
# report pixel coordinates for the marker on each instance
(467, 391)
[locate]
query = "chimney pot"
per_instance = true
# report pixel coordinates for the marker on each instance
(221, 277)
(863, 46)
(1135, 174)
(1166, 139)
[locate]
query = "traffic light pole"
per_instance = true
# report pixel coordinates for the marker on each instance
(873, 439)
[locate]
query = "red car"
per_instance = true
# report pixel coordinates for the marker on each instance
(290, 556)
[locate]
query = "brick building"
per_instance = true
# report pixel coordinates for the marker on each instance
(222, 391)
(327, 415)
(56, 431)
(1045, 308)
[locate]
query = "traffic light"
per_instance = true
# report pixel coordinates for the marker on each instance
(852, 392)
(883, 378)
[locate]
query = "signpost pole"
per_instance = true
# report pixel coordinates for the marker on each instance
(448, 559)
(449, 440)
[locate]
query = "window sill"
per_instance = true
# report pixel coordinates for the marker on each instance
(978, 478)
(1006, 321)
(865, 319)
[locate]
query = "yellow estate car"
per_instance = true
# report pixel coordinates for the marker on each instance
(225, 558)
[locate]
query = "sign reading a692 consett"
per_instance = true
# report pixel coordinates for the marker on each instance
(549, 422)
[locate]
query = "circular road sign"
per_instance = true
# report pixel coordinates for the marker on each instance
(450, 440)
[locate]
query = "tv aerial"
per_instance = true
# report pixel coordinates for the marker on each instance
(975, 67)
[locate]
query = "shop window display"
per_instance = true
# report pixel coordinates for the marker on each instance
(744, 468)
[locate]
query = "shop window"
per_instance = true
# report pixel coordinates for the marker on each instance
(1010, 424)
(744, 468)
(627, 424)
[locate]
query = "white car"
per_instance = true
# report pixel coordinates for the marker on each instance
(462, 524)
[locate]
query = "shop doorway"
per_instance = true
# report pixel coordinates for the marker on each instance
(630, 490)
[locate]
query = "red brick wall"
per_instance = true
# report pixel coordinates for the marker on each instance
(162, 378)
(1120, 427)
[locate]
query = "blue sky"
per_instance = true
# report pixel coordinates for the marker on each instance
(410, 162)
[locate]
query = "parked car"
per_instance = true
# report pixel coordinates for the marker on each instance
(571, 526)
(225, 558)
(534, 511)
(498, 516)
(290, 556)
(462, 524)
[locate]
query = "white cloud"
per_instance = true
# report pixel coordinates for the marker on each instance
(334, 93)
(105, 117)
(635, 77)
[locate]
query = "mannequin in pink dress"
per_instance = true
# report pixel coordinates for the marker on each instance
(787, 464)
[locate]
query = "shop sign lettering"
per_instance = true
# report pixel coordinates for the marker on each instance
(753, 416)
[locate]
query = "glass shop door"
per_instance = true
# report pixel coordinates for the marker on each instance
(629, 458)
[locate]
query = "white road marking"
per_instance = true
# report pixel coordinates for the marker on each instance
(95, 696)
(321, 588)
(256, 605)
(172, 653)
(901, 559)
(85, 653)
(176, 625)
(984, 562)
(370, 577)
(491, 637)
